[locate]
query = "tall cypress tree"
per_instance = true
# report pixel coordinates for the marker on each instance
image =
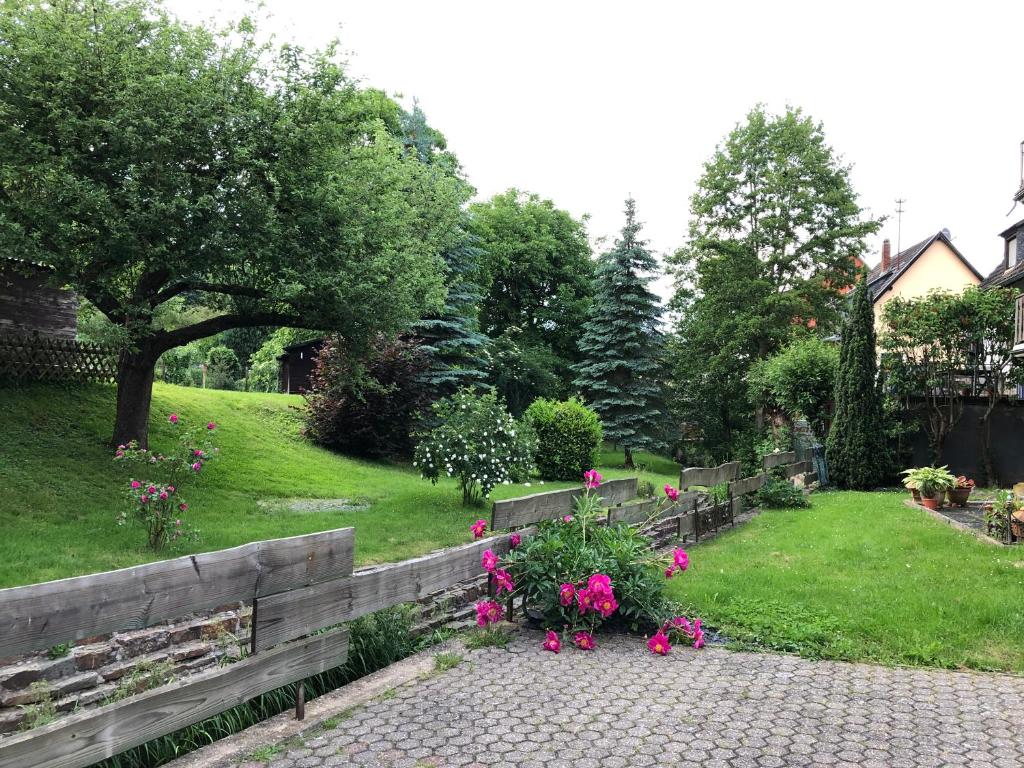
(856, 450)
(620, 371)
(452, 338)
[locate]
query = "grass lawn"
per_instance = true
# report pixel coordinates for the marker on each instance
(60, 491)
(860, 576)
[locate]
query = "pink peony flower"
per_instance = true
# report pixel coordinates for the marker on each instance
(592, 479)
(683, 624)
(121, 447)
(584, 641)
(698, 638)
(599, 583)
(659, 644)
(119, 453)
(585, 600)
(607, 605)
(170, 489)
(163, 495)
(680, 559)
(552, 643)
(672, 493)
(136, 485)
(489, 612)
(567, 519)
(173, 418)
(514, 540)
(178, 521)
(151, 490)
(669, 571)
(503, 582)
(144, 499)
(478, 528)
(210, 425)
(489, 561)
(566, 594)
(197, 466)
(197, 452)
(183, 506)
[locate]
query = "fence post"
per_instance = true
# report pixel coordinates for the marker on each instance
(300, 701)
(696, 521)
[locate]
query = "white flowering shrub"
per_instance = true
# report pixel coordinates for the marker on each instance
(477, 442)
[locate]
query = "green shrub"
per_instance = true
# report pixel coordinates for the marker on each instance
(568, 438)
(478, 443)
(777, 493)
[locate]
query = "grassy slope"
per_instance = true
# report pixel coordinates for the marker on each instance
(861, 576)
(60, 491)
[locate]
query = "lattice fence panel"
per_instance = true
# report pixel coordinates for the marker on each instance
(28, 357)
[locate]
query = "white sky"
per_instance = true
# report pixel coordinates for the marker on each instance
(586, 102)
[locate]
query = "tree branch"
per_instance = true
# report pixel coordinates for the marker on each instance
(192, 285)
(166, 340)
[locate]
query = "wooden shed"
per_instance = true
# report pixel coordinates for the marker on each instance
(30, 305)
(295, 366)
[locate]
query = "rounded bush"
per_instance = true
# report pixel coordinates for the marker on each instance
(568, 438)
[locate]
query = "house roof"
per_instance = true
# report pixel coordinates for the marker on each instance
(879, 282)
(1000, 276)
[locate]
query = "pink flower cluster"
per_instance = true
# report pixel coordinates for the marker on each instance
(660, 644)
(502, 580)
(478, 528)
(489, 612)
(592, 479)
(672, 493)
(583, 640)
(680, 562)
(597, 596)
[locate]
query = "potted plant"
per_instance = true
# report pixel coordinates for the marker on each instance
(910, 483)
(932, 483)
(959, 493)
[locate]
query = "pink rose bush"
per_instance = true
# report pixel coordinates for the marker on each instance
(156, 503)
(576, 575)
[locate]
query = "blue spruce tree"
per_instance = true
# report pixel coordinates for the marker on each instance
(620, 374)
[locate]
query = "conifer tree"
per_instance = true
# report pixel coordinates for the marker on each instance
(856, 450)
(619, 374)
(451, 339)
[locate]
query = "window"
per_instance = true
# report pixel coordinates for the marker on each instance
(1011, 252)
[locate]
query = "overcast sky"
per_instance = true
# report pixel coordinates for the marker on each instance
(587, 102)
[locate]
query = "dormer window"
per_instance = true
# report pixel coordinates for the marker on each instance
(1012, 254)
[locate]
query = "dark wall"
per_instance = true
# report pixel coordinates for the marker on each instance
(963, 454)
(296, 367)
(28, 305)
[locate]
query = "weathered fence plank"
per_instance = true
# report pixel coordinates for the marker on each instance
(709, 476)
(800, 468)
(527, 510)
(636, 512)
(772, 460)
(746, 485)
(288, 615)
(41, 615)
(86, 737)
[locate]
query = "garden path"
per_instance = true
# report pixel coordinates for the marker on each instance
(523, 707)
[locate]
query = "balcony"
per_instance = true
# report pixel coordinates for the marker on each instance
(1018, 326)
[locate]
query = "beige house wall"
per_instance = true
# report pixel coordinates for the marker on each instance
(937, 268)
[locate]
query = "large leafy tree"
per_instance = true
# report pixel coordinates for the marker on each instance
(621, 371)
(538, 277)
(146, 159)
(774, 237)
(856, 449)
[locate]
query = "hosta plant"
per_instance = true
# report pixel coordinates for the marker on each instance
(577, 575)
(154, 497)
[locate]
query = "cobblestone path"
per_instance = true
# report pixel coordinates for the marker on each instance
(621, 706)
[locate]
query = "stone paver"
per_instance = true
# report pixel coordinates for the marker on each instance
(521, 707)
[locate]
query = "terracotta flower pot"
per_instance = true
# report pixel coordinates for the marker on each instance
(916, 494)
(930, 502)
(1017, 524)
(959, 496)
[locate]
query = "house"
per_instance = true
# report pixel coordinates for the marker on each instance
(295, 366)
(29, 304)
(1010, 274)
(932, 264)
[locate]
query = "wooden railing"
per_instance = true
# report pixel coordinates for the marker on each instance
(30, 357)
(1018, 322)
(301, 589)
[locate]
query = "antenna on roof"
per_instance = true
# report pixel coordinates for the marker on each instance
(899, 222)
(1019, 197)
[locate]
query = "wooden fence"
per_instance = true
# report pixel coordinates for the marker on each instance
(301, 589)
(29, 357)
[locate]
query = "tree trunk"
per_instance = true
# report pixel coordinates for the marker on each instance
(134, 393)
(629, 459)
(985, 441)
